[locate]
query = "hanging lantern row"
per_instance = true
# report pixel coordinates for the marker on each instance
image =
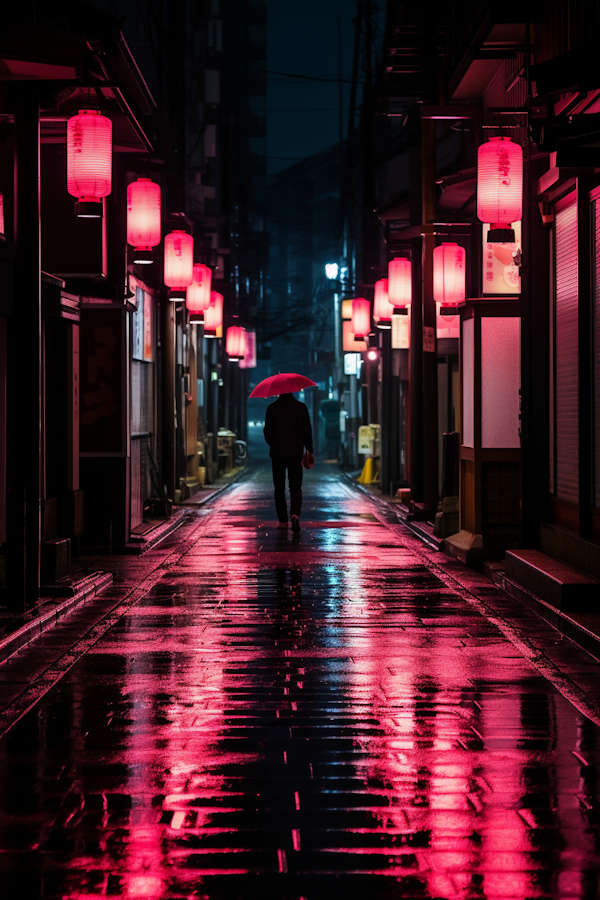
(361, 318)
(197, 299)
(235, 344)
(400, 285)
(382, 308)
(89, 179)
(449, 270)
(213, 317)
(89, 161)
(500, 187)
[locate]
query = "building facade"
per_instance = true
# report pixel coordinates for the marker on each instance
(118, 410)
(517, 377)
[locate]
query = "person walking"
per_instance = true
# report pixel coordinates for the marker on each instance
(288, 432)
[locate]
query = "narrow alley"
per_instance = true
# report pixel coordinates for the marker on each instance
(340, 713)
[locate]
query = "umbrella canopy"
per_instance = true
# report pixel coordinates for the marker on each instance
(284, 383)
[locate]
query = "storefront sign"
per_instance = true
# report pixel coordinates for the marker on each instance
(102, 427)
(500, 274)
(248, 361)
(428, 339)
(142, 326)
(400, 332)
(365, 439)
(351, 363)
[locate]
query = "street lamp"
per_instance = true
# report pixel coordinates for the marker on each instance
(331, 271)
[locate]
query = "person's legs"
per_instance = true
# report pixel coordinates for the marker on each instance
(279, 466)
(295, 479)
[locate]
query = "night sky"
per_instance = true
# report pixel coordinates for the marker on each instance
(302, 39)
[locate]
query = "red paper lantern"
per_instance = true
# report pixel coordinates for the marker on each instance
(179, 263)
(449, 275)
(382, 308)
(235, 345)
(213, 317)
(361, 318)
(500, 182)
(89, 161)
(399, 282)
(197, 298)
(143, 218)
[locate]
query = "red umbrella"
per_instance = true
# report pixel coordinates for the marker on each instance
(284, 383)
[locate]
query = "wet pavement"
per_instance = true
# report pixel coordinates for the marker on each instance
(336, 714)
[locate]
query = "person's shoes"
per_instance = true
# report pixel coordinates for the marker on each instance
(283, 526)
(295, 523)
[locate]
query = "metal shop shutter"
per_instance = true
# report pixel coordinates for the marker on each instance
(566, 354)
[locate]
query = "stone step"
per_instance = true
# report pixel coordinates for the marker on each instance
(553, 581)
(86, 588)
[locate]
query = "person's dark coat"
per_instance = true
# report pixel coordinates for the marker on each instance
(287, 428)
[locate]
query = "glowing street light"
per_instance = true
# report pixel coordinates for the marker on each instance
(331, 271)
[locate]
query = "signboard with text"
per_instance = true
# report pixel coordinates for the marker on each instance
(142, 326)
(248, 361)
(500, 274)
(102, 422)
(400, 332)
(365, 439)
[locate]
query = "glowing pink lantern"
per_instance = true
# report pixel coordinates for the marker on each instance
(143, 218)
(500, 182)
(89, 161)
(179, 263)
(197, 298)
(361, 318)
(235, 345)
(449, 285)
(382, 308)
(399, 283)
(213, 317)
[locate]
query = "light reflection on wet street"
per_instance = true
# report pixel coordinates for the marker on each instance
(314, 716)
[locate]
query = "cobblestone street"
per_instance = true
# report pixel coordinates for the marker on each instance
(342, 713)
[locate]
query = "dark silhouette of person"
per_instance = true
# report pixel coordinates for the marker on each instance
(288, 432)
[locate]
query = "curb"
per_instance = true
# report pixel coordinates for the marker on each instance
(560, 620)
(412, 524)
(24, 635)
(136, 548)
(93, 584)
(220, 490)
